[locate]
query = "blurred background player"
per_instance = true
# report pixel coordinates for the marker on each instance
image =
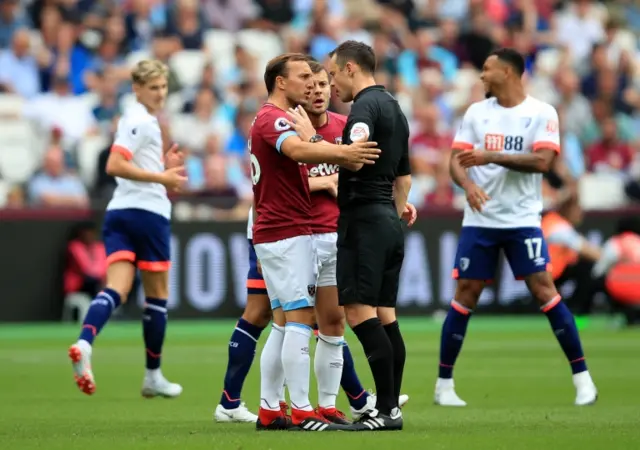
(572, 255)
(617, 271)
(282, 238)
(136, 230)
(514, 138)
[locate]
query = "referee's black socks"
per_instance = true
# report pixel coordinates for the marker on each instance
(399, 355)
(379, 352)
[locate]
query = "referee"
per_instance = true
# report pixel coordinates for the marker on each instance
(372, 199)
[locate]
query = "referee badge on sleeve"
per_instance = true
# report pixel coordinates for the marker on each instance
(359, 132)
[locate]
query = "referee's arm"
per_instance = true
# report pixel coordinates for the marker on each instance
(402, 185)
(360, 127)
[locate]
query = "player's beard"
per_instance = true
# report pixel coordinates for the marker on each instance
(298, 101)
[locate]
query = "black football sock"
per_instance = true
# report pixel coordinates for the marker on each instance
(399, 356)
(379, 353)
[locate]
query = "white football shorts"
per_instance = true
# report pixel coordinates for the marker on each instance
(290, 271)
(327, 258)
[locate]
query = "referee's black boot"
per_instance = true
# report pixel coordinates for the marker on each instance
(375, 421)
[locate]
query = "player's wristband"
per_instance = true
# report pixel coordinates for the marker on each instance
(315, 138)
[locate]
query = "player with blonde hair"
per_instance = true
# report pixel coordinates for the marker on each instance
(136, 230)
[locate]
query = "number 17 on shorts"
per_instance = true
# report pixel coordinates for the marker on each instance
(479, 250)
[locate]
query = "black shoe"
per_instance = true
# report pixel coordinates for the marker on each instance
(375, 421)
(319, 424)
(278, 424)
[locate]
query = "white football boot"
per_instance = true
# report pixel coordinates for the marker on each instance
(156, 385)
(445, 394)
(239, 415)
(586, 392)
(80, 356)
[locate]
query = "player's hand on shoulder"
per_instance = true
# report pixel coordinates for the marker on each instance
(174, 157)
(361, 153)
(472, 158)
(410, 214)
(299, 121)
(174, 178)
(476, 197)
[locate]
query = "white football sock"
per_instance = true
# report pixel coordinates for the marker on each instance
(297, 364)
(328, 367)
(271, 373)
(281, 395)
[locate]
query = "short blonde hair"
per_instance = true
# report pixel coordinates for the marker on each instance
(147, 70)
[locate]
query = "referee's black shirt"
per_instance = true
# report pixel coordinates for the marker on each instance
(375, 110)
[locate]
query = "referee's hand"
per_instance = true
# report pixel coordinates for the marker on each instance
(360, 153)
(409, 214)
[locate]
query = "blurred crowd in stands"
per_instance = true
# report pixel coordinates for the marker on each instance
(64, 81)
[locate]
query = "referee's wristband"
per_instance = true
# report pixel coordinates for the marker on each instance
(315, 138)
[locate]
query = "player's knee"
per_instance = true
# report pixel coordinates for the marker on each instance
(356, 314)
(257, 311)
(468, 292)
(542, 287)
(387, 315)
(331, 323)
(155, 284)
(120, 288)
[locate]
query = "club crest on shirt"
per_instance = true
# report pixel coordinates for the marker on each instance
(312, 290)
(464, 264)
(281, 124)
(526, 121)
(338, 140)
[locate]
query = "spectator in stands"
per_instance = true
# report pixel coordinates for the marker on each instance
(601, 111)
(187, 24)
(208, 118)
(61, 109)
(12, 18)
(230, 196)
(108, 107)
(19, 68)
(230, 15)
(274, 14)
(86, 265)
(54, 187)
(575, 107)
(237, 143)
(610, 154)
(579, 27)
(143, 21)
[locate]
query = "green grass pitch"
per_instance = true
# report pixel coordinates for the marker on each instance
(511, 372)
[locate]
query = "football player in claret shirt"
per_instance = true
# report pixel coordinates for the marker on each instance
(282, 238)
(503, 147)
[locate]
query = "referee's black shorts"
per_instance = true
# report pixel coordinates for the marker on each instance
(370, 254)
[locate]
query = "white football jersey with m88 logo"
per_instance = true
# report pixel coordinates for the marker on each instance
(516, 197)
